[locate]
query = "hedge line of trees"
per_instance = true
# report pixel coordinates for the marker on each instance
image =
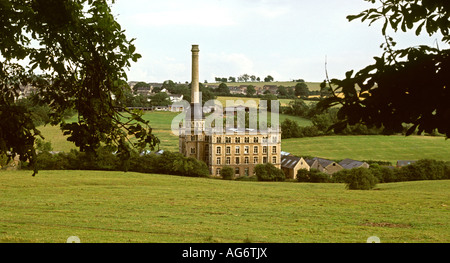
(104, 159)
(363, 178)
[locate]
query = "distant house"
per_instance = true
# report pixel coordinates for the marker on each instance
(160, 108)
(175, 108)
(350, 164)
(403, 163)
(237, 90)
(314, 164)
(291, 164)
(176, 97)
(271, 88)
(145, 91)
(324, 165)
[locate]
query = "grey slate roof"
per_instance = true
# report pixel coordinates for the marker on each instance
(350, 164)
(289, 161)
(323, 162)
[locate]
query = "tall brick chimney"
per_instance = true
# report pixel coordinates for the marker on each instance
(195, 79)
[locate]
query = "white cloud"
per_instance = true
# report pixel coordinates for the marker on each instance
(182, 13)
(226, 64)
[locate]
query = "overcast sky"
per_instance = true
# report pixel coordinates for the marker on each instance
(287, 39)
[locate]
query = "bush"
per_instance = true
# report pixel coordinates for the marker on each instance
(105, 159)
(303, 175)
(312, 176)
(316, 176)
(383, 174)
(360, 179)
(268, 172)
(341, 176)
(425, 170)
(227, 173)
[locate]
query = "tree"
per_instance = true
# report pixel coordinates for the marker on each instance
(82, 54)
(244, 77)
(268, 79)
(251, 90)
(223, 89)
(404, 86)
(298, 107)
(160, 99)
(360, 179)
(282, 91)
(301, 89)
(227, 173)
(268, 172)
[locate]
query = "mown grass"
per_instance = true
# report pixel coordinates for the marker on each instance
(130, 207)
(373, 147)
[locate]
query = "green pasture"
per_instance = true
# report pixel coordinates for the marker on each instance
(108, 207)
(372, 147)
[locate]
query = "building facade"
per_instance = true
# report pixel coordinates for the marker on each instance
(241, 149)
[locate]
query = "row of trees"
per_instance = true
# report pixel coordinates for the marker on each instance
(244, 78)
(105, 159)
(365, 179)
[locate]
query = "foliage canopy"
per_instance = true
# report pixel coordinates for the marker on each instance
(81, 54)
(408, 85)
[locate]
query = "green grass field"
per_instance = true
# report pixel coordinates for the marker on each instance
(381, 148)
(107, 207)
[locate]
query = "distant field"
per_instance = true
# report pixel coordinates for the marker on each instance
(383, 148)
(117, 207)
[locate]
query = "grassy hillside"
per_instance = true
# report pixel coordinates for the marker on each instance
(383, 148)
(132, 207)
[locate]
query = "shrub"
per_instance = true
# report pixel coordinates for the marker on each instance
(312, 176)
(227, 173)
(360, 179)
(316, 176)
(303, 175)
(341, 176)
(268, 172)
(383, 174)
